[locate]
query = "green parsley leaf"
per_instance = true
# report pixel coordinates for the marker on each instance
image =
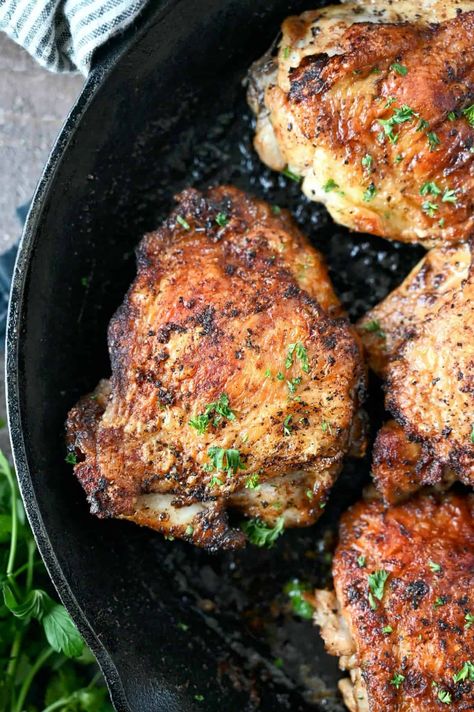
(397, 680)
(33, 606)
(278, 662)
(184, 223)
(293, 384)
(430, 208)
(370, 193)
(430, 188)
(449, 196)
(386, 630)
(276, 210)
(367, 161)
(465, 673)
(452, 116)
(440, 601)
(71, 458)
(361, 561)
(296, 589)
(85, 282)
(252, 481)
(286, 52)
(268, 373)
(260, 534)
(469, 618)
(182, 626)
(422, 125)
(301, 354)
(374, 327)
(213, 413)
(391, 100)
(309, 494)
(200, 423)
(377, 582)
(292, 176)
(189, 530)
(436, 568)
(433, 140)
(472, 434)
(286, 425)
(468, 112)
(222, 219)
(227, 460)
(330, 185)
(444, 696)
(399, 69)
(325, 426)
(398, 158)
(199, 698)
(215, 481)
(60, 631)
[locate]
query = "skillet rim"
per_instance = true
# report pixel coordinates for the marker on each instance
(104, 63)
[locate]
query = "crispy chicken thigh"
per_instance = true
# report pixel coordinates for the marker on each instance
(401, 617)
(236, 380)
(371, 103)
(421, 340)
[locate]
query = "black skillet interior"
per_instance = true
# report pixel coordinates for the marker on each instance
(174, 628)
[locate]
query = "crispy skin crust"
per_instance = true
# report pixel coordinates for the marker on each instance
(319, 107)
(431, 284)
(212, 309)
(430, 643)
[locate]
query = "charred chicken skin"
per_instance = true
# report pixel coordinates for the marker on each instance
(371, 104)
(401, 616)
(236, 380)
(421, 340)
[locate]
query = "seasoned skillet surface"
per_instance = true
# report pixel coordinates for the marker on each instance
(177, 622)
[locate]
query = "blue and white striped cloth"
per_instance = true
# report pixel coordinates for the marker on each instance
(63, 34)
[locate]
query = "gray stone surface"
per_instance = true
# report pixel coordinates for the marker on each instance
(33, 106)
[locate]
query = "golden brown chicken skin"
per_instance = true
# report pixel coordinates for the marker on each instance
(401, 616)
(419, 339)
(236, 381)
(371, 103)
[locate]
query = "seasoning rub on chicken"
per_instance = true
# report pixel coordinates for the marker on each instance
(401, 616)
(372, 105)
(421, 340)
(236, 380)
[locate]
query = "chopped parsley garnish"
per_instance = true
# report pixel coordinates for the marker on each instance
(436, 568)
(449, 196)
(377, 582)
(361, 561)
(367, 161)
(296, 589)
(280, 376)
(215, 481)
(444, 696)
(472, 434)
(260, 534)
(222, 219)
(199, 698)
(374, 327)
(370, 192)
(440, 601)
(400, 116)
(286, 52)
(189, 530)
(398, 158)
(330, 185)
(399, 69)
(278, 662)
(252, 481)
(213, 413)
(287, 429)
(184, 223)
(85, 281)
(268, 373)
(429, 208)
(301, 354)
(469, 618)
(292, 176)
(225, 460)
(465, 673)
(468, 112)
(430, 188)
(71, 458)
(182, 626)
(325, 426)
(309, 494)
(276, 210)
(391, 100)
(452, 116)
(386, 630)
(293, 384)
(422, 125)
(397, 680)
(433, 140)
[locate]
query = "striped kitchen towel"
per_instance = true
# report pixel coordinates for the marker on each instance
(63, 34)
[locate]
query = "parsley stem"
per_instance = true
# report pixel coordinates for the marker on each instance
(5, 469)
(12, 663)
(30, 564)
(37, 665)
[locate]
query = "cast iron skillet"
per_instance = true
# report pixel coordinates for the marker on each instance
(173, 628)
